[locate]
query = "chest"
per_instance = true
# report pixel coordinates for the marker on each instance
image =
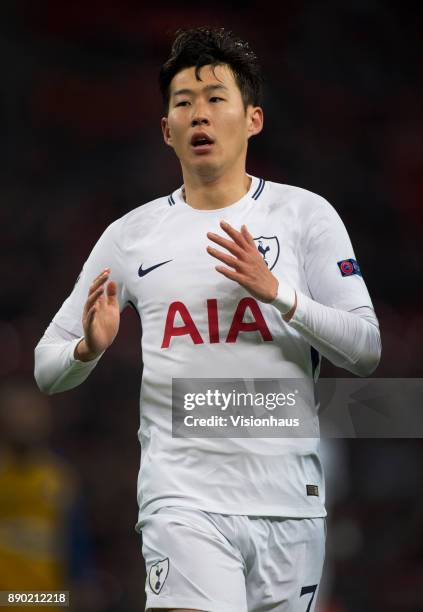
(171, 261)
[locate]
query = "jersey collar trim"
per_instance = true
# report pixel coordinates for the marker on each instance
(255, 191)
(259, 189)
(171, 201)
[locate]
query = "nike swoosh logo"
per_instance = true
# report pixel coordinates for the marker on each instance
(142, 272)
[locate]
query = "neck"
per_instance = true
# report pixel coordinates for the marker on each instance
(217, 192)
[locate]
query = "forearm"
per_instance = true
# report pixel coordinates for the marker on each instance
(56, 368)
(349, 340)
(83, 353)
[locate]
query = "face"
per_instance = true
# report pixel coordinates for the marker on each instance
(212, 108)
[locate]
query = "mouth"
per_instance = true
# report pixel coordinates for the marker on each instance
(201, 143)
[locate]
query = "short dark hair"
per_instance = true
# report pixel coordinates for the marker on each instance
(213, 46)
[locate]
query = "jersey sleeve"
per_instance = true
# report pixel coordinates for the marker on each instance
(107, 253)
(338, 320)
(332, 272)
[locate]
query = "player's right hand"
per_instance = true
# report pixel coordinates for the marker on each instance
(100, 318)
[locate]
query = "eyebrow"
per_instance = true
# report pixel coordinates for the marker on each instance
(185, 91)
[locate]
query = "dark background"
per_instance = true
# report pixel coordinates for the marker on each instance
(82, 145)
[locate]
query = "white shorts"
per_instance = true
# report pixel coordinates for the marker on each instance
(232, 563)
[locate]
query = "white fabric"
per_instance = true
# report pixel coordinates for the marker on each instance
(56, 368)
(285, 298)
(348, 340)
(248, 564)
(302, 238)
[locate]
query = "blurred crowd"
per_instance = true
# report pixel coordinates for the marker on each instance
(82, 146)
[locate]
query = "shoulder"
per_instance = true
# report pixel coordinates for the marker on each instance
(310, 212)
(138, 220)
(302, 200)
(144, 213)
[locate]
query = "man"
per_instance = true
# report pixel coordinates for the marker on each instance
(233, 277)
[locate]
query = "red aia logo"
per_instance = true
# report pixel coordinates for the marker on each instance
(238, 324)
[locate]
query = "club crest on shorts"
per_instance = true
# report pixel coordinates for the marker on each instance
(158, 574)
(268, 247)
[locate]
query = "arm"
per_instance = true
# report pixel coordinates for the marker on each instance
(86, 324)
(56, 368)
(346, 332)
(350, 340)
(338, 319)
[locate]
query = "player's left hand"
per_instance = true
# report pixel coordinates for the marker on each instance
(246, 266)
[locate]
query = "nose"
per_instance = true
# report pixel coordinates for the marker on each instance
(199, 114)
(199, 120)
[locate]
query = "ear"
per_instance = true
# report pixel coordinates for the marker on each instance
(166, 131)
(255, 119)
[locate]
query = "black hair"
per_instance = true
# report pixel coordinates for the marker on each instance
(213, 46)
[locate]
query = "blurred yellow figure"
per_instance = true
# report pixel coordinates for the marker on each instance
(37, 493)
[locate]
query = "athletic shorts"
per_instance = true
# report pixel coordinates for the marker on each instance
(232, 563)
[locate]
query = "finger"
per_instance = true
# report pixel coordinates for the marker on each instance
(91, 314)
(93, 298)
(99, 280)
(102, 275)
(224, 242)
(227, 259)
(104, 271)
(231, 274)
(111, 291)
(233, 233)
(249, 238)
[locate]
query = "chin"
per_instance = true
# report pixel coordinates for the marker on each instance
(205, 167)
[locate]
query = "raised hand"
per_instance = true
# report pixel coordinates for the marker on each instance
(246, 266)
(100, 318)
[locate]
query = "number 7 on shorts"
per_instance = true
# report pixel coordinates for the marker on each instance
(309, 589)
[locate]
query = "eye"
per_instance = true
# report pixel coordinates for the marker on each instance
(183, 103)
(214, 98)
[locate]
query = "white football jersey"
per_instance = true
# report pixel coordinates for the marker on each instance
(196, 323)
